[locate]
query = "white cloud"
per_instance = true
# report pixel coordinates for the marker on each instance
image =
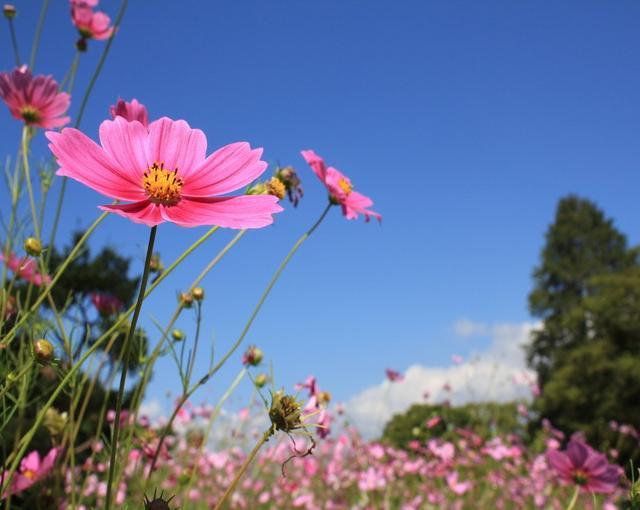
(152, 409)
(498, 374)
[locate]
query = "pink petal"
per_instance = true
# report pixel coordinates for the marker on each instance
(82, 159)
(246, 211)
(144, 212)
(356, 203)
(227, 169)
(176, 145)
(126, 142)
(316, 163)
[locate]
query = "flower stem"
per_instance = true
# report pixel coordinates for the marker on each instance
(36, 37)
(14, 42)
(265, 437)
(27, 174)
(125, 367)
(574, 498)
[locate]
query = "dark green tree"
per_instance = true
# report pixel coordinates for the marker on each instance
(587, 353)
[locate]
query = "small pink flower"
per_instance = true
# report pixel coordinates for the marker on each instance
(432, 422)
(164, 173)
(32, 470)
(90, 24)
(394, 375)
(26, 269)
(581, 465)
(106, 304)
(340, 189)
(458, 487)
(36, 101)
(457, 360)
(131, 111)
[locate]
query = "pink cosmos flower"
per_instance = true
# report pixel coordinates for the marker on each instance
(36, 101)
(582, 465)
(457, 360)
(458, 487)
(340, 189)
(164, 173)
(131, 111)
(26, 269)
(394, 375)
(32, 470)
(432, 422)
(106, 304)
(90, 24)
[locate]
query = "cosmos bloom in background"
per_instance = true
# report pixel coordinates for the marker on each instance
(582, 465)
(164, 173)
(106, 304)
(457, 359)
(340, 189)
(393, 375)
(26, 268)
(90, 24)
(130, 111)
(34, 100)
(32, 470)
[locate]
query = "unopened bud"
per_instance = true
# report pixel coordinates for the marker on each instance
(55, 422)
(9, 11)
(197, 293)
(261, 380)
(178, 335)
(33, 247)
(186, 299)
(43, 349)
(252, 356)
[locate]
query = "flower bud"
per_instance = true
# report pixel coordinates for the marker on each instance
(9, 11)
(43, 349)
(261, 380)
(155, 264)
(157, 503)
(186, 299)
(197, 293)
(178, 335)
(252, 356)
(33, 247)
(12, 377)
(55, 422)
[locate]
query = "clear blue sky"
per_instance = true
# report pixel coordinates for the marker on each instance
(465, 121)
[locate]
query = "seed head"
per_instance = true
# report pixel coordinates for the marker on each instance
(285, 413)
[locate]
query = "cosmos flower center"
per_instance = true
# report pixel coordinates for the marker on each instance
(29, 474)
(345, 186)
(29, 114)
(163, 186)
(580, 477)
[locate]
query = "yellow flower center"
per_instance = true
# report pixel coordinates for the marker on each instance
(29, 474)
(163, 186)
(345, 186)
(29, 114)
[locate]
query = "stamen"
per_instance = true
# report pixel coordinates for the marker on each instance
(162, 186)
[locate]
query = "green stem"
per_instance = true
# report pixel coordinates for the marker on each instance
(265, 437)
(27, 174)
(14, 42)
(125, 367)
(36, 37)
(574, 498)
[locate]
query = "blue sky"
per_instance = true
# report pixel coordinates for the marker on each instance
(464, 121)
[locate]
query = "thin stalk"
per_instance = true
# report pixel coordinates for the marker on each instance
(36, 37)
(27, 174)
(125, 367)
(14, 42)
(574, 498)
(265, 437)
